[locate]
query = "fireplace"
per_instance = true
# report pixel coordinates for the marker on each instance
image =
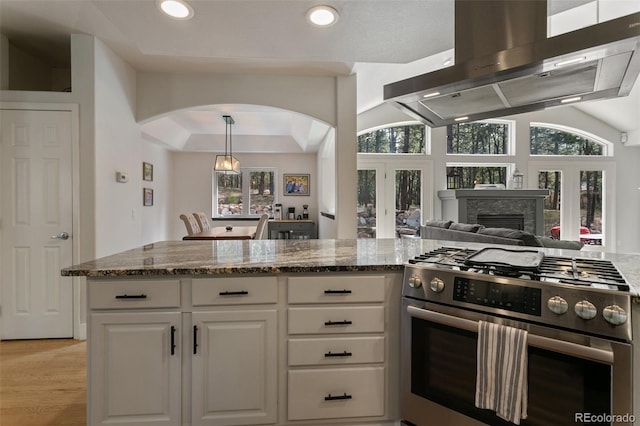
(513, 221)
(483, 205)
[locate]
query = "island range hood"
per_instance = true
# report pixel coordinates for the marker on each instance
(505, 64)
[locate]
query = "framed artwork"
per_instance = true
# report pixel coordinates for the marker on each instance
(147, 196)
(147, 171)
(296, 184)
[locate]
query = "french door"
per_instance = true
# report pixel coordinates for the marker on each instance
(581, 199)
(392, 197)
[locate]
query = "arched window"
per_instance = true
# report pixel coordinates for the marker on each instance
(547, 139)
(489, 137)
(405, 139)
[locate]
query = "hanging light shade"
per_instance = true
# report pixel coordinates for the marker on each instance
(227, 163)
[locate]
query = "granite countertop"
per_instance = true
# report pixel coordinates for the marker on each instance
(280, 256)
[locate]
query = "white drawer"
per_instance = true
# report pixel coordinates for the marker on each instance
(336, 289)
(338, 350)
(356, 319)
(134, 294)
(233, 291)
(313, 393)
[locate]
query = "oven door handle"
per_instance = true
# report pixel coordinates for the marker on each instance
(568, 348)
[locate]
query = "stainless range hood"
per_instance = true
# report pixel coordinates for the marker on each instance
(505, 65)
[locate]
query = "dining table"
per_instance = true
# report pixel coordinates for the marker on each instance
(224, 233)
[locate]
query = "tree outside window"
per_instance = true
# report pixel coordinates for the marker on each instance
(478, 138)
(408, 139)
(249, 193)
(551, 141)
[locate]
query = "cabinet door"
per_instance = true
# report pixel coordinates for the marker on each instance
(135, 369)
(234, 368)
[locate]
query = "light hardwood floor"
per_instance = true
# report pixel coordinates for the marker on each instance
(43, 382)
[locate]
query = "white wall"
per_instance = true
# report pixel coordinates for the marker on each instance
(192, 183)
(156, 220)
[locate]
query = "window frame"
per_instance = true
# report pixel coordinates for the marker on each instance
(427, 139)
(246, 195)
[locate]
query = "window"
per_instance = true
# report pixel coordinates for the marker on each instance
(556, 140)
(252, 192)
(480, 138)
(471, 175)
(407, 139)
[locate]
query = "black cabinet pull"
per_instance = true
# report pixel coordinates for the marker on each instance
(338, 354)
(234, 293)
(131, 296)
(338, 323)
(337, 291)
(195, 339)
(173, 340)
(333, 398)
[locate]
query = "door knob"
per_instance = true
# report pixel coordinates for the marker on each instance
(60, 236)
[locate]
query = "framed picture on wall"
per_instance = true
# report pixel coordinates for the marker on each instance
(147, 196)
(147, 171)
(296, 184)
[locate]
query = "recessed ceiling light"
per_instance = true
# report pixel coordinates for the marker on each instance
(177, 9)
(322, 16)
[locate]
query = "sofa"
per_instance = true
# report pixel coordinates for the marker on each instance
(473, 233)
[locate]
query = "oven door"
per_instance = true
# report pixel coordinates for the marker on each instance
(572, 379)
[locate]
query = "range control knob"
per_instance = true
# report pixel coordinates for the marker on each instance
(415, 281)
(436, 285)
(614, 315)
(558, 305)
(586, 310)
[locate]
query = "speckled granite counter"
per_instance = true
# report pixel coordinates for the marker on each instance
(279, 256)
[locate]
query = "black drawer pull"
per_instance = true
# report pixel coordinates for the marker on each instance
(131, 296)
(234, 293)
(338, 323)
(338, 354)
(195, 339)
(334, 398)
(337, 292)
(173, 340)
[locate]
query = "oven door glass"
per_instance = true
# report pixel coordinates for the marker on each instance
(443, 370)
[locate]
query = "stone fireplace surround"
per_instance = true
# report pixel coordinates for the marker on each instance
(464, 205)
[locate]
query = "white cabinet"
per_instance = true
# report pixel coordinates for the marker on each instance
(336, 347)
(234, 364)
(134, 368)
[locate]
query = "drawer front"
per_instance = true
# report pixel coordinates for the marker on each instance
(134, 294)
(233, 291)
(336, 289)
(338, 350)
(358, 319)
(335, 393)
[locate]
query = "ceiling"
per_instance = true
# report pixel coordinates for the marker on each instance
(381, 40)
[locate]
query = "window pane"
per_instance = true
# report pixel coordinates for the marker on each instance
(547, 141)
(262, 192)
(551, 180)
(470, 176)
(591, 207)
(478, 138)
(394, 140)
(229, 194)
(408, 190)
(366, 209)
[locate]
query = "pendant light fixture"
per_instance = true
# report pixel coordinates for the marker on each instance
(227, 163)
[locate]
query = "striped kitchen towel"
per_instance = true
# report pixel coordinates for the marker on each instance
(501, 380)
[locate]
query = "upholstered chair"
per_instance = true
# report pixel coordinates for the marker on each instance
(261, 228)
(191, 223)
(203, 221)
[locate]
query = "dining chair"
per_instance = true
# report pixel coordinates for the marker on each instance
(191, 223)
(202, 220)
(261, 228)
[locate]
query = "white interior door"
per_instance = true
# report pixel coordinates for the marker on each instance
(36, 189)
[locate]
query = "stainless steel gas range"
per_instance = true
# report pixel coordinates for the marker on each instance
(577, 314)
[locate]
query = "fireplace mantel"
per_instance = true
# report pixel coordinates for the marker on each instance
(464, 205)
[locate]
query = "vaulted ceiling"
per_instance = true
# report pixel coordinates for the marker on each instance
(381, 40)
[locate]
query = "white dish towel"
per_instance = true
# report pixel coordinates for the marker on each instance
(501, 381)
